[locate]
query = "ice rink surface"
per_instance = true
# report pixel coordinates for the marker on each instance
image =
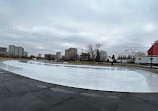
(85, 76)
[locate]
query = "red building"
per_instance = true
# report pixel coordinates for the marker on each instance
(154, 49)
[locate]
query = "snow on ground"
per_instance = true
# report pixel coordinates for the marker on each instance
(85, 76)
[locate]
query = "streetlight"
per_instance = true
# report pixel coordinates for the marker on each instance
(151, 55)
(121, 57)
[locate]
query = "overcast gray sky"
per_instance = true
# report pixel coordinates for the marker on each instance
(118, 24)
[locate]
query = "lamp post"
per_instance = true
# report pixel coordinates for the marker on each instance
(121, 57)
(152, 55)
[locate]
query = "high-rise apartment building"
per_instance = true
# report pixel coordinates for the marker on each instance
(71, 54)
(12, 50)
(58, 56)
(3, 50)
(15, 51)
(20, 51)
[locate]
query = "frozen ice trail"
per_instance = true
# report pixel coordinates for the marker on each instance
(85, 76)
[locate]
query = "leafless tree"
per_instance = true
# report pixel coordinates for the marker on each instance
(92, 49)
(140, 54)
(133, 52)
(103, 55)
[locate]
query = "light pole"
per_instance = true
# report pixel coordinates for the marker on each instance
(152, 55)
(121, 57)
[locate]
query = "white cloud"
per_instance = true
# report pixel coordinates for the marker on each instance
(149, 27)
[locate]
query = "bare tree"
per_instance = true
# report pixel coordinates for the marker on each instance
(92, 49)
(140, 54)
(97, 59)
(103, 55)
(133, 52)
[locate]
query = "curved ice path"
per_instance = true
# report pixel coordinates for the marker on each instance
(85, 76)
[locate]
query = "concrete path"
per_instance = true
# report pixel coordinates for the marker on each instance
(19, 93)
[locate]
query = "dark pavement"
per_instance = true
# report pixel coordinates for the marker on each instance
(19, 93)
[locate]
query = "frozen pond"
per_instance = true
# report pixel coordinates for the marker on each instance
(85, 76)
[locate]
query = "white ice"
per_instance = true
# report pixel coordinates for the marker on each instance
(86, 76)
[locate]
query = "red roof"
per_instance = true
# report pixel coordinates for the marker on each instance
(153, 50)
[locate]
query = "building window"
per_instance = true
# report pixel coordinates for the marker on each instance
(139, 58)
(151, 58)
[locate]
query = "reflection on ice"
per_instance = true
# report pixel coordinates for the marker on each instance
(85, 76)
(78, 66)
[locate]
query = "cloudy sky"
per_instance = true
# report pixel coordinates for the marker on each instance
(47, 26)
